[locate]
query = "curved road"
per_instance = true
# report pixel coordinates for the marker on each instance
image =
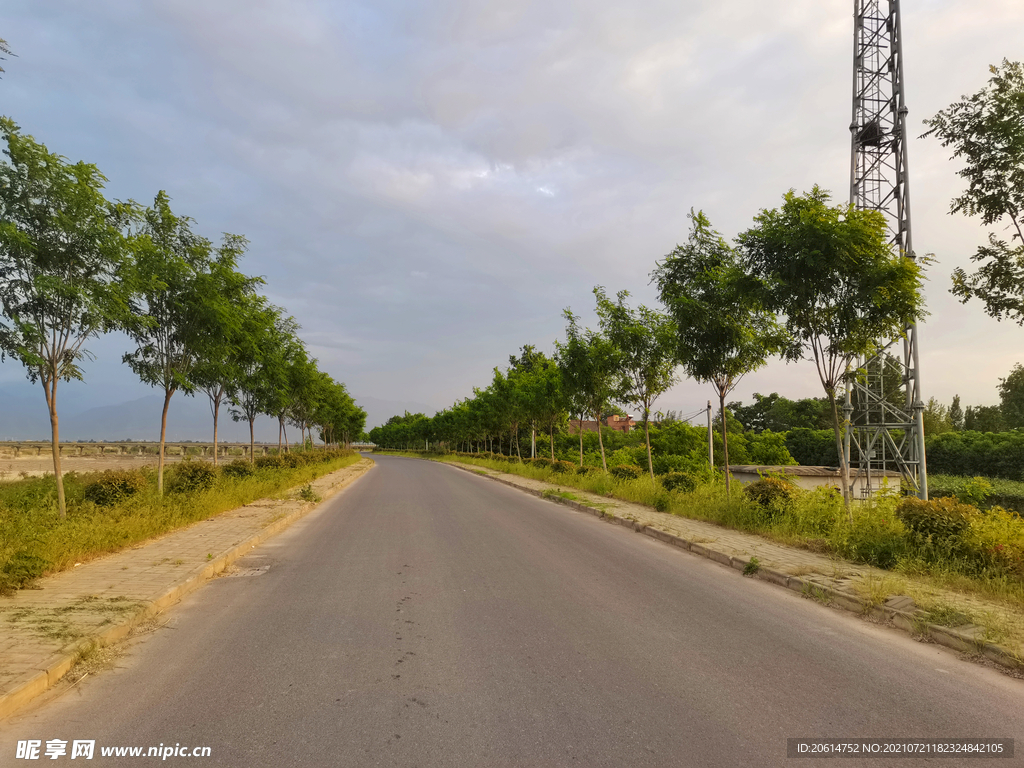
(429, 617)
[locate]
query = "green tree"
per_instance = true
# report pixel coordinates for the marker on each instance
(62, 248)
(214, 370)
(251, 390)
(936, 418)
(831, 274)
(956, 414)
(588, 363)
(986, 132)
(645, 341)
(984, 418)
(175, 313)
(722, 333)
(1011, 398)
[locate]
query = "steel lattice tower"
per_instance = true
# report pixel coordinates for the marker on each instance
(884, 405)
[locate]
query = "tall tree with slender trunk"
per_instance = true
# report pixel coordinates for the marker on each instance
(62, 249)
(588, 364)
(646, 345)
(837, 284)
(721, 332)
(179, 311)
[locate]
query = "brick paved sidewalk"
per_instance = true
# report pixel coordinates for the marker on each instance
(853, 586)
(42, 629)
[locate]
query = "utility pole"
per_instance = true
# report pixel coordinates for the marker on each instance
(884, 407)
(711, 440)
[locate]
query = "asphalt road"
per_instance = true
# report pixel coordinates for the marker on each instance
(429, 617)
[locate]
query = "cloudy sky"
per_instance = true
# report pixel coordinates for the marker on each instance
(426, 185)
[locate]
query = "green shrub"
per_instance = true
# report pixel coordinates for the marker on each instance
(240, 468)
(587, 469)
(21, 568)
(937, 521)
(770, 492)
(626, 472)
(564, 467)
(541, 462)
(679, 481)
(192, 476)
(272, 461)
(873, 538)
(114, 486)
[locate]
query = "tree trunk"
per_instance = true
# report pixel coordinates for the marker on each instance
(600, 441)
(581, 438)
(725, 440)
(50, 391)
(216, 413)
(533, 440)
(252, 441)
(647, 439)
(551, 436)
(844, 468)
(168, 394)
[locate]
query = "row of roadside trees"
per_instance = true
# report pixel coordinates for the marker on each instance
(808, 280)
(74, 265)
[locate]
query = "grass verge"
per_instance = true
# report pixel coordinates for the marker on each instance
(35, 541)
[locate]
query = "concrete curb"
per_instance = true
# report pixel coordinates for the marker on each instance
(910, 622)
(60, 664)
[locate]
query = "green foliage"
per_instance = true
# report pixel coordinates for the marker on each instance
(645, 341)
(972, 490)
(20, 569)
(308, 494)
(999, 492)
(587, 470)
(833, 276)
(984, 418)
(815, 447)
(752, 567)
(987, 135)
(115, 486)
(240, 468)
(193, 476)
(936, 418)
(563, 467)
(770, 492)
(626, 472)
(780, 414)
(769, 449)
(956, 414)
(722, 330)
(32, 538)
(271, 461)
(62, 253)
(938, 521)
(541, 461)
(679, 481)
(980, 454)
(1011, 398)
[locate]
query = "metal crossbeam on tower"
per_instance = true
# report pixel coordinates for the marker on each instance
(883, 405)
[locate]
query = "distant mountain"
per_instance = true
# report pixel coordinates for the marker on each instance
(188, 418)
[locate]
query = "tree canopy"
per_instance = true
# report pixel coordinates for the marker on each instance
(986, 132)
(836, 283)
(62, 252)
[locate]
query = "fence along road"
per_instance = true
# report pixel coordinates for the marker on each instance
(430, 617)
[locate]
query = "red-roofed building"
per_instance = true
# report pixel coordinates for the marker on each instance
(623, 424)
